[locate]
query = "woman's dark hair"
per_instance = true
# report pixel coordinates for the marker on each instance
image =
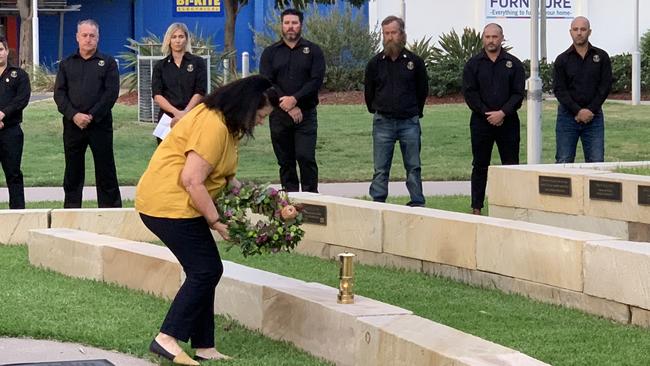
(239, 102)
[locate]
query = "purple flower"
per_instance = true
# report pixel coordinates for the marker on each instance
(235, 191)
(284, 203)
(272, 192)
(275, 250)
(261, 239)
(288, 237)
(228, 213)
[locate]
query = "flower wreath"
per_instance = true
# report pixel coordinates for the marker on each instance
(280, 231)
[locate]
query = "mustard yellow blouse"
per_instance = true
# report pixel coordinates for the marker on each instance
(159, 192)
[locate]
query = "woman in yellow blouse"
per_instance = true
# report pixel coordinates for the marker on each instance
(175, 198)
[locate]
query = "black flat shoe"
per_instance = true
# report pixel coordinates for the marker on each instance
(180, 359)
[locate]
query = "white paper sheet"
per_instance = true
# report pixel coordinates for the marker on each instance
(164, 127)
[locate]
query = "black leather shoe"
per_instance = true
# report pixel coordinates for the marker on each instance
(180, 359)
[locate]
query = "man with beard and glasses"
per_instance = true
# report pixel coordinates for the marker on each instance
(493, 87)
(582, 79)
(396, 87)
(296, 67)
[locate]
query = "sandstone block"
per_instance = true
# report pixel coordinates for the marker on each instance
(123, 223)
(350, 222)
(640, 317)
(17, 223)
(71, 252)
(619, 271)
(378, 259)
(431, 235)
(141, 266)
(537, 253)
(627, 210)
(409, 340)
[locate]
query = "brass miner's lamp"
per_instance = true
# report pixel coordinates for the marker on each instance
(346, 279)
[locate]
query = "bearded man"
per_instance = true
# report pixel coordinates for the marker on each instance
(396, 88)
(296, 67)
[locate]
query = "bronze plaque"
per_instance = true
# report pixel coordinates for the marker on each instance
(314, 214)
(555, 186)
(644, 195)
(606, 191)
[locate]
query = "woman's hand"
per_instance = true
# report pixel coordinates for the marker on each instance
(221, 228)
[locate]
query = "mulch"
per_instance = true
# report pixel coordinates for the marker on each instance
(349, 97)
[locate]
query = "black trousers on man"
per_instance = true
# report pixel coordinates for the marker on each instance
(295, 142)
(99, 136)
(191, 315)
(11, 154)
(484, 135)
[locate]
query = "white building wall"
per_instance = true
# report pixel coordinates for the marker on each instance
(612, 22)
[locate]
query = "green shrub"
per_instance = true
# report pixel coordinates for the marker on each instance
(621, 73)
(545, 73)
(42, 79)
(343, 37)
(425, 49)
(150, 46)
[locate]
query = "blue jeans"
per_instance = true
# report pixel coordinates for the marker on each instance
(385, 133)
(568, 131)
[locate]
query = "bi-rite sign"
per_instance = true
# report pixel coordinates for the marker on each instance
(555, 9)
(197, 8)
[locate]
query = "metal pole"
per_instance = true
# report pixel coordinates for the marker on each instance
(636, 60)
(245, 64)
(226, 69)
(403, 10)
(534, 150)
(542, 32)
(61, 36)
(35, 39)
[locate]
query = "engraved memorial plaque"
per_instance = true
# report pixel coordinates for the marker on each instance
(555, 186)
(606, 191)
(644, 195)
(314, 214)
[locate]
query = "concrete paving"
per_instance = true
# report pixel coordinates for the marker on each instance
(354, 189)
(26, 350)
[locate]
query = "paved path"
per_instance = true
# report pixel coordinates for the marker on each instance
(22, 350)
(35, 194)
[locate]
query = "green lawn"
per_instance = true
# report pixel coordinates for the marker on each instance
(45, 305)
(344, 144)
(637, 171)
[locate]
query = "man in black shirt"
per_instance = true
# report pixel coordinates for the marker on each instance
(14, 97)
(86, 88)
(396, 88)
(493, 87)
(296, 67)
(582, 79)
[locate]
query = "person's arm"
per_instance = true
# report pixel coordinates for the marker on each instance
(193, 176)
(369, 85)
(471, 89)
(561, 87)
(19, 101)
(110, 94)
(317, 74)
(517, 90)
(63, 103)
(266, 69)
(422, 85)
(605, 85)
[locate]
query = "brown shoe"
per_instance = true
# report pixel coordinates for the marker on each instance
(476, 211)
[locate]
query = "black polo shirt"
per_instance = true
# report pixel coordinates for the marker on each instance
(492, 86)
(396, 89)
(582, 83)
(87, 86)
(179, 84)
(14, 94)
(296, 72)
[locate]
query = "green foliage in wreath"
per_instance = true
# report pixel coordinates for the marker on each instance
(279, 231)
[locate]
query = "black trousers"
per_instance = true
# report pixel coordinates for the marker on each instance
(484, 135)
(11, 154)
(99, 136)
(295, 142)
(191, 315)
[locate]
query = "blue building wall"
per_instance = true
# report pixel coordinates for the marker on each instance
(122, 19)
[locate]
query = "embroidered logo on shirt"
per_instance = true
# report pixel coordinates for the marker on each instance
(306, 50)
(509, 64)
(410, 65)
(596, 58)
(190, 68)
(14, 74)
(101, 63)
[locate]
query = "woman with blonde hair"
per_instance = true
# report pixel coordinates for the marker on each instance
(179, 81)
